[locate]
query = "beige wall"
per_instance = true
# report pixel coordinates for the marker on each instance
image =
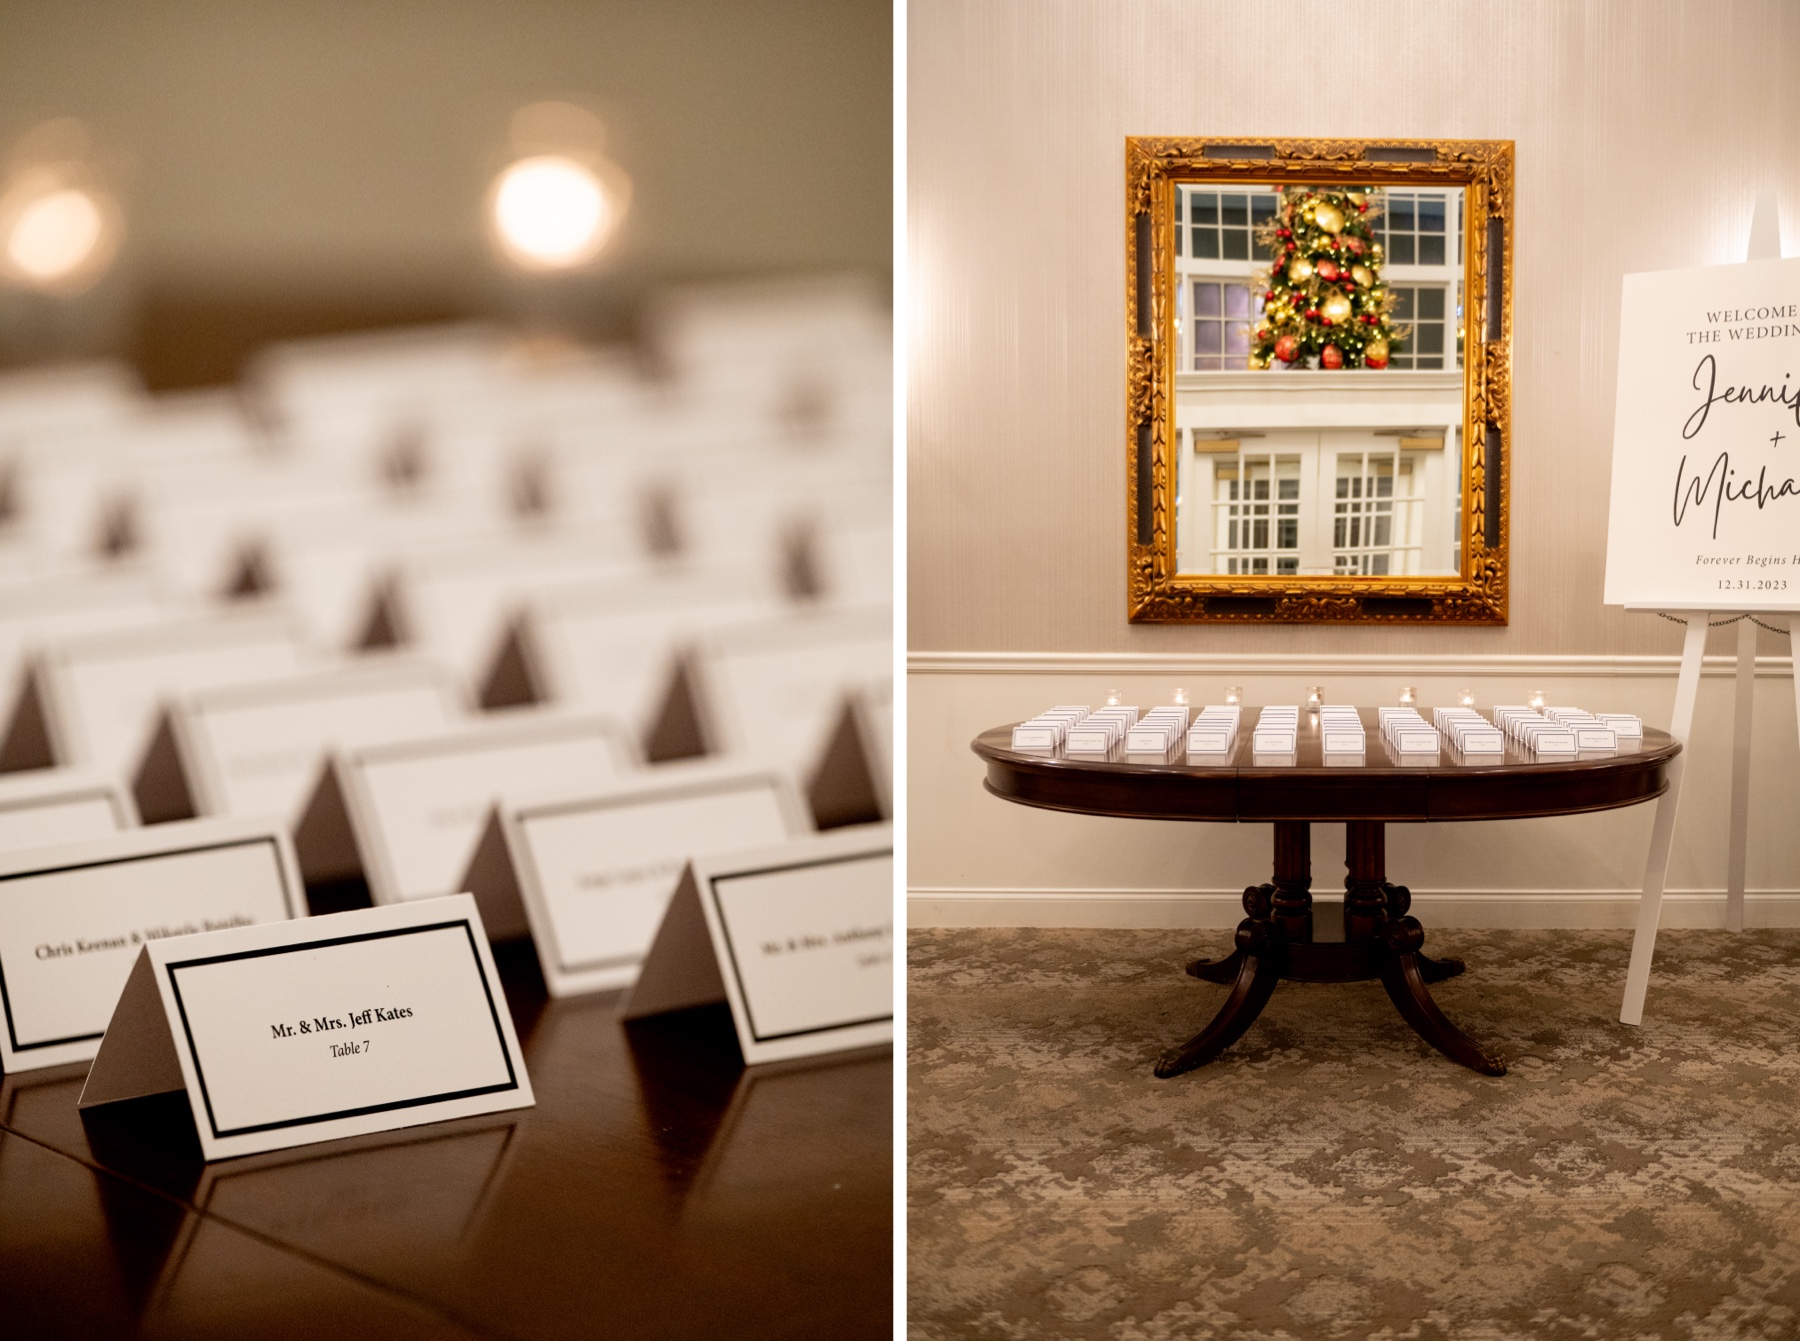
(1644, 132)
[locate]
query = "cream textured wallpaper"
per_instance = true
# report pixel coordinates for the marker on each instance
(1644, 132)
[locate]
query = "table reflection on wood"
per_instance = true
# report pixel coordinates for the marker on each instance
(658, 1189)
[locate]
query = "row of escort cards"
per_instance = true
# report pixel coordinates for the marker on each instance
(526, 644)
(1210, 735)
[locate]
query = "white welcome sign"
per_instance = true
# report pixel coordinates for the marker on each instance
(1706, 441)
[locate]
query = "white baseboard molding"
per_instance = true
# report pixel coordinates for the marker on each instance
(1535, 909)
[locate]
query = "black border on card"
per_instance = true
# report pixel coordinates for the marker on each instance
(769, 782)
(45, 799)
(287, 897)
(512, 1076)
(712, 888)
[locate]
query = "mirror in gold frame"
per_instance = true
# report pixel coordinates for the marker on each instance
(1319, 358)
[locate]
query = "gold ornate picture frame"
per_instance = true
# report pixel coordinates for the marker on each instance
(1476, 592)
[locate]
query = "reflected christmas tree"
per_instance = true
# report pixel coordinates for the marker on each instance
(1324, 302)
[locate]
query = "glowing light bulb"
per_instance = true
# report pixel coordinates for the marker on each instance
(54, 234)
(552, 213)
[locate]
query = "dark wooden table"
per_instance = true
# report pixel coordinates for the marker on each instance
(658, 1189)
(1281, 936)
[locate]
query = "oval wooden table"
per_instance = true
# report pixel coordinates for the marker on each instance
(1280, 936)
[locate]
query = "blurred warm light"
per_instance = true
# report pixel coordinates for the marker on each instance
(551, 213)
(55, 235)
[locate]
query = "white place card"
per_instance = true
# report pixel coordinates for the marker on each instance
(47, 807)
(799, 939)
(1705, 491)
(259, 749)
(596, 874)
(73, 918)
(775, 687)
(308, 1031)
(416, 807)
(99, 693)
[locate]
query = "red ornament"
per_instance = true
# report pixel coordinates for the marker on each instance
(1269, 297)
(1331, 356)
(1324, 321)
(1312, 314)
(1363, 207)
(1286, 348)
(1326, 270)
(1374, 362)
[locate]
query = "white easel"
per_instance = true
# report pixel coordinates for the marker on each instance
(1765, 245)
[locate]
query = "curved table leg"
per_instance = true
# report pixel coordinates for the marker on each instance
(1259, 969)
(1399, 901)
(1401, 975)
(1217, 970)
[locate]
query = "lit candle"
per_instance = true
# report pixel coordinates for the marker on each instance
(1407, 697)
(1181, 698)
(1234, 693)
(1466, 698)
(1537, 699)
(1315, 696)
(1112, 698)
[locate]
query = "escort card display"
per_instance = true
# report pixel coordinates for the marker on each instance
(1705, 501)
(74, 917)
(1405, 732)
(416, 807)
(1277, 730)
(1099, 732)
(259, 749)
(1534, 731)
(1157, 731)
(1048, 730)
(1341, 730)
(306, 1031)
(44, 808)
(1214, 729)
(595, 874)
(798, 939)
(1469, 731)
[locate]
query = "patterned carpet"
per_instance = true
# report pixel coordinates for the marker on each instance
(1331, 1176)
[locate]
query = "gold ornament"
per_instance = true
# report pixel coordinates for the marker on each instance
(1301, 270)
(1362, 275)
(1328, 216)
(1375, 250)
(1337, 307)
(1256, 362)
(1376, 351)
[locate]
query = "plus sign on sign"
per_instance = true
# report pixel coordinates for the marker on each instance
(1705, 510)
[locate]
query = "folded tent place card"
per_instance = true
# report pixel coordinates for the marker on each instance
(1048, 730)
(73, 918)
(98, 693)
(1214, 729)
(1341, 730)
(259, 749)
(798, 939)
(47, 807)
(1404, 731)
(1469, 731)
(307, 1031)
(416, 807)
(596, 874)
(1099, 731)
(1158, 730)
(1277, 730)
